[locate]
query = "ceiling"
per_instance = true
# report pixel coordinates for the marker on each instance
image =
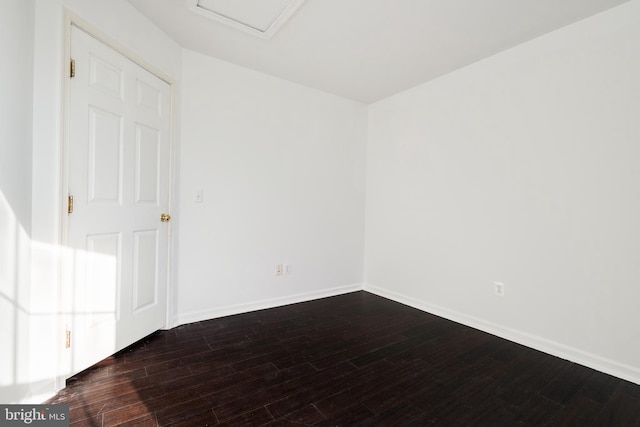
(367, 50)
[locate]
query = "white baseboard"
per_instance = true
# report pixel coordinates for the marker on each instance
(608, 366)
(230, 310)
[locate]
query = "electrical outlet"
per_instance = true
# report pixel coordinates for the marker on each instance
(498, 288)
(287, 269)
(279, 269)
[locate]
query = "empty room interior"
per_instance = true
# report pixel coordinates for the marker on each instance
(188, 166)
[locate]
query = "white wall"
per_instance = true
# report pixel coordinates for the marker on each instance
(16, 69)
(523, 169)
(281, 169)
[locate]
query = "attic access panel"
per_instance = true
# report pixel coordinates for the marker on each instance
(262, 18)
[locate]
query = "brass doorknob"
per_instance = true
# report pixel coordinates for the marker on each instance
(165, 217)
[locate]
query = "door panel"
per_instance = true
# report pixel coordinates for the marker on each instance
(149, 97)
(105, 156)
(106, 76)
(145, 255)
(118, 168)
(147, 165)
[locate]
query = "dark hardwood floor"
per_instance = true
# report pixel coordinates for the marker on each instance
(350, 360)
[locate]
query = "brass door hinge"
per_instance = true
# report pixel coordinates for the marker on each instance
(70, 204)
(67, 339)
(72, 68)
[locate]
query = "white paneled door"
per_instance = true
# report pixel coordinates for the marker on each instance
(118, 174)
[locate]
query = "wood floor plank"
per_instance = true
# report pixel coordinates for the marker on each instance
(354, 359)
(308, 415)
(204, 418)
(180, 412)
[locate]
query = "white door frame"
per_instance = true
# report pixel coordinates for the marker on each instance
(66, 269)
